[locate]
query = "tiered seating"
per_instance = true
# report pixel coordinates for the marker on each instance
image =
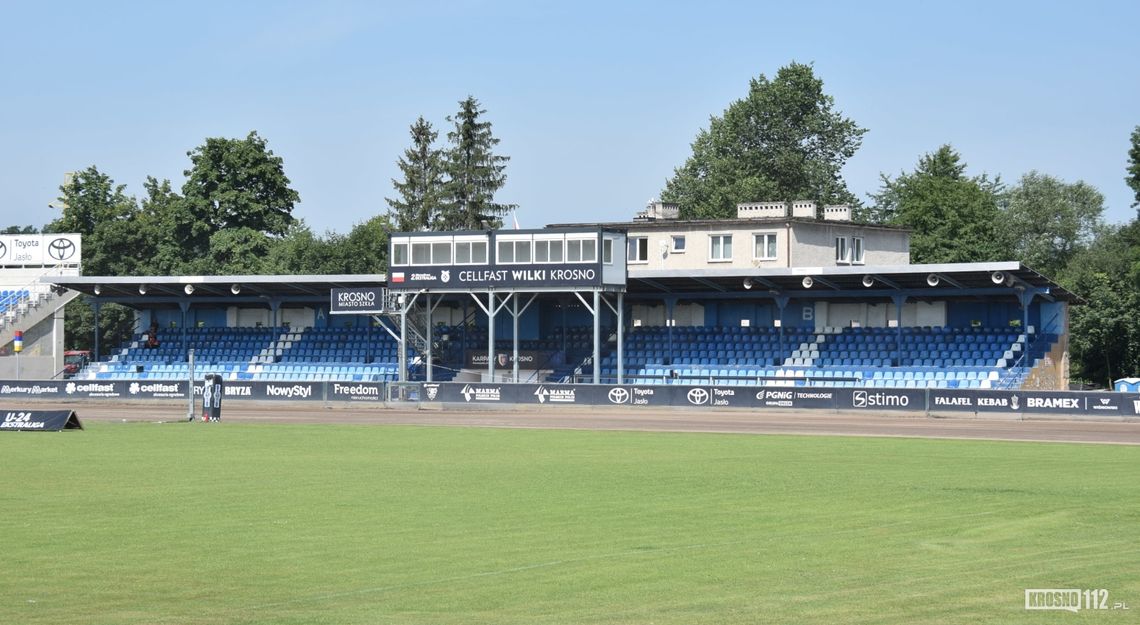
(936, 357)
(276, 354)
(12, 298)
(333, 345)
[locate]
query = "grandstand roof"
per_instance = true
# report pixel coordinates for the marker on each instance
(156, 287)
(967, 278)
(955, 280)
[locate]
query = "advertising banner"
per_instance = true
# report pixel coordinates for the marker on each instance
(28, 250)
(504, 359)
(357, 301)
(459, 277)
(38, 421)
(944, 400)
(355, 391)
(881, 399)
(796, 398)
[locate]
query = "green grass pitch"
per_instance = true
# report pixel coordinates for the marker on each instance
(254, 523)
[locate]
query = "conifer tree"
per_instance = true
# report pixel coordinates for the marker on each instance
(421, 191)
(474, 173)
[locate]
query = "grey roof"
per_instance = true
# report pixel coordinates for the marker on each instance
(214, 286)
(969, 278)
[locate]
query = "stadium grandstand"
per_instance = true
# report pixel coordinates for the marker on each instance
(786, 294)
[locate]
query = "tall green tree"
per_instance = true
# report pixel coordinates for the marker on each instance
(97, 208)
(236, 183)
(20, 230)
(1105, 330)
(474, 172)
(1133, 177)
(953, 217)
(783, 141)
(1049, 220)
(421, 191)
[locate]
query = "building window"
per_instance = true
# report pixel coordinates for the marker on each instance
(608, 251)
(678, 244)
(421, 253)
(470, 252)
(514, 252)
(720, 247)
(764, 246)
(841, 250)
(506, 252)
(857, 250)
(441, 253)
(400, 254)
(638, 250)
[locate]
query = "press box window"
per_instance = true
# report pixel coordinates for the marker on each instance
(581, 251)
(421, 253)
(638, 250)
(470, 252)
(514, 251)
(400, 254)
(548, 251)
(441, 253)
(608, 251)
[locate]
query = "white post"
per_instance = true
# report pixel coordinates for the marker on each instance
(190, 385)
(516, 337)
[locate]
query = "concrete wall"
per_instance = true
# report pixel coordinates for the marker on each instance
(29, 367)
(813, 245)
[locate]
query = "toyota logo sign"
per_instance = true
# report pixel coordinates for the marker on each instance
(61, 249)
(698, 396)
(618, 395)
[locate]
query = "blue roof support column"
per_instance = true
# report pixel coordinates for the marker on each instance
(96, 306)
(781, 304)
(184, 305)
(899, 301)
(1025, 298)
(274, 308)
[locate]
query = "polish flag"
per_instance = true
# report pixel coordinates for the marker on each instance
(516, 218)
(398, 276)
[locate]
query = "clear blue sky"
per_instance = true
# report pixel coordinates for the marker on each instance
(595, 102)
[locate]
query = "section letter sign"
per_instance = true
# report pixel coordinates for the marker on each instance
(357, 301)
